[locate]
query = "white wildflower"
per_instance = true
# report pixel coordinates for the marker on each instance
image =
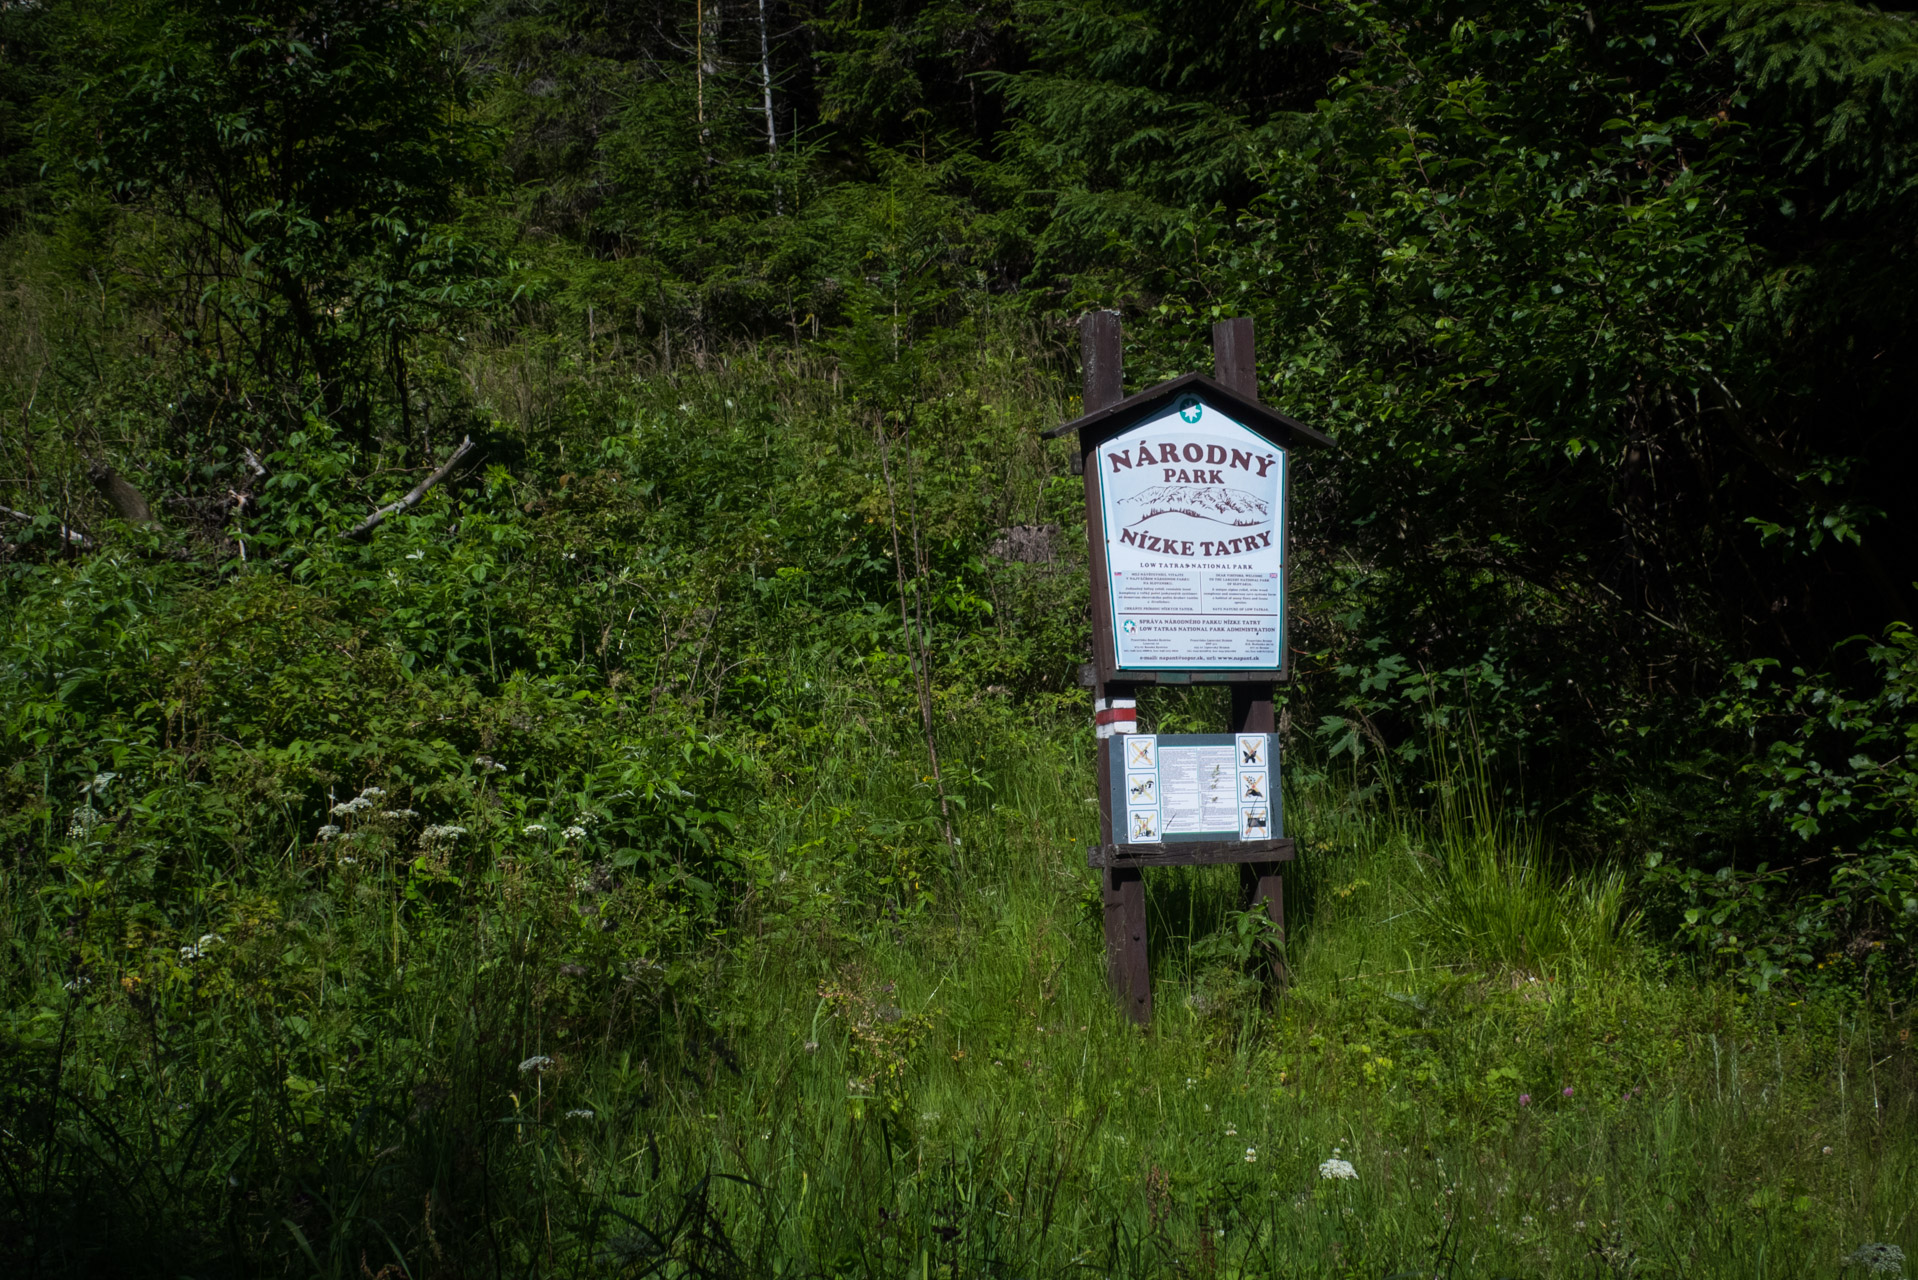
(538, 1062)
(579, 1113)
(397, 814)
(327, 832)
(347, 807)
(1231, 1132)
(489, 765)
(1338, 1170)
(573, 833)
(85, 819)
(207, 940)
(349, 861)
(372, 793)
(533, 829)
(1878, 1259)
(1251, 1155)
(190, 953)
(447, 832)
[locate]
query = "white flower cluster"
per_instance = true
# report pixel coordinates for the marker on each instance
(359, 803)
(1878, 1259)
(579, 1113)
(533, 829)
(327, 832)
(486, 764)
(538, 1062)
(447, 832)
(85, 819)
(574, 832)
(397, 814)
(1338, 1169)
(193, 951)
(1251, 1155)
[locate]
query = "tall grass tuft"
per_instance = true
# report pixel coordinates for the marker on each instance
(1494, 892)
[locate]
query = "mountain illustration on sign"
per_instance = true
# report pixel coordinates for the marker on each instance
(1204, 502)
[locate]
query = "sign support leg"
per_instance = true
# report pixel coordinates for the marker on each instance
(1122, 889)
(1127, 961)
(1264, 887)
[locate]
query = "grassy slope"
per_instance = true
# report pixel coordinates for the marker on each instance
(825, 1048)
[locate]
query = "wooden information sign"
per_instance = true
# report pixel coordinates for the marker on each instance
(1193, 509)
(1186, 486)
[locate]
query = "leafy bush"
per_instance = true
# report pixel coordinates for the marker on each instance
(1835, 769)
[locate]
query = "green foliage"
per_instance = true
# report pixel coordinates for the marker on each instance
(303, 166)
(560, 879)
(1842, 76)
(1836, 769)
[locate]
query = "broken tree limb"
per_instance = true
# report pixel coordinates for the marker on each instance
(126, 500)
(73, 536)
(413, 498)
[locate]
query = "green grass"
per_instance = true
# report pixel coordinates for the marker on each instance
(1490, 891)
(868, 1080)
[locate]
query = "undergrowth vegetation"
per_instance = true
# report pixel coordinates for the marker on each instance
(372, 1056)
(539, 636)
(399, 906)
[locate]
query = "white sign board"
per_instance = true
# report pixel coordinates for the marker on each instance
(1195, 786)
(1194, 510)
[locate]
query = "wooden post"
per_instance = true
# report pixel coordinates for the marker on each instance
(1235, 365)
(1122, 889)
(1234, 362)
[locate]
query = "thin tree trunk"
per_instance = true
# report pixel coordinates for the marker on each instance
(916, 653)
(766, 89)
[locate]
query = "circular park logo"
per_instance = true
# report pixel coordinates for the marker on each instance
(1190, 409)
(1130, 626)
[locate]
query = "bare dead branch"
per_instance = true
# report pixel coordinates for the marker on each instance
(412, 499)
(74, 536)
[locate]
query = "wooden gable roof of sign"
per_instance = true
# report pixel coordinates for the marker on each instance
(1102, 424)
